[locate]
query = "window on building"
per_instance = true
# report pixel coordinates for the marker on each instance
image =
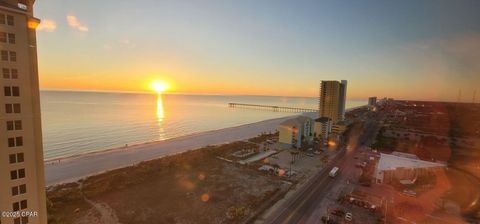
(16, 158)
(15, 142)
(11, 38)
(3, 37)
(13, 108)
(21, 173)
(4, 55)
(17, 108)
(23, 204)
(21, 189)
(2, 18)
(6, 73)
(8, 108)
(21, 220)
(19, 205)
(10, 20)
(13, 175)
(20, 157)
(15, 191)
(15, 91)
(13, 158)
(16, 206)
(14, 125)
(11, 142)
(7, 91)
(18, 125)
(10, 126)
(11, 91)
(13, 56)
(14, 73)
(19, 141)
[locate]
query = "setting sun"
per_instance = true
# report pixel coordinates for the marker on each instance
(159, 86)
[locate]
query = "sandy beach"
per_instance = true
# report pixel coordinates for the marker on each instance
(76, 167)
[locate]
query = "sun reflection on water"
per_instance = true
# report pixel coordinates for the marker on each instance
(160, 117)
(160, 111)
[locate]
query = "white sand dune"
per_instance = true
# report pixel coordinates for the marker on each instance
(76, 167)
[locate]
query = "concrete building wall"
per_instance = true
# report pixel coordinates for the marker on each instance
(339, 128)
(285, 135)
(329, 100)
(295, 131)
(323, 129)
(332, 102)
(21, 148)
(342, 100)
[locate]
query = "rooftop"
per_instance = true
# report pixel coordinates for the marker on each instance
(391, 162)
(297, 121)
(406, 155)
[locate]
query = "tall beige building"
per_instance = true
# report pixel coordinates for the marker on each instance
(22, 184)
(332, 100)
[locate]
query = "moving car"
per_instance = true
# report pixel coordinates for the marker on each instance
(334, 172)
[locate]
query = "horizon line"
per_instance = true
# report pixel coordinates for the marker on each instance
(174, 93)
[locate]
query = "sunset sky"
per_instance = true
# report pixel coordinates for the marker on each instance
(405, 49)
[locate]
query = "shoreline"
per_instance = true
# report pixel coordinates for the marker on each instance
(140, 144)
(148, 143)
(76, 167)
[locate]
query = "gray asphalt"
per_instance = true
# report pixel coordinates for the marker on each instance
(301, 205)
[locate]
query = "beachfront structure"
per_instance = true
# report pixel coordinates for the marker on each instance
(323, 127)
(403, 167)
(372, 101)
(332, 100)
(295, 131)
(21, 154)
(340, 127)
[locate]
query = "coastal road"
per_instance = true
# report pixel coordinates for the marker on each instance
(301, 206)
(74, 168)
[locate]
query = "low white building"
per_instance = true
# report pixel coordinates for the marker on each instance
(403, 167)
(293, 132)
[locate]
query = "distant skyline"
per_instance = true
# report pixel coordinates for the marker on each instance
(425, 50)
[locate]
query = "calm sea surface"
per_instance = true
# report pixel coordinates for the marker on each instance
(81, 122)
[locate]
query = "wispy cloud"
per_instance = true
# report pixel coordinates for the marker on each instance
(47, 25)
(127, 43)
(75, 24)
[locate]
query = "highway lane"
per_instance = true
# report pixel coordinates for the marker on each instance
(301, 205)
(296, 209)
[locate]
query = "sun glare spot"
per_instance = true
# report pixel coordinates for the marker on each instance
(159, 86)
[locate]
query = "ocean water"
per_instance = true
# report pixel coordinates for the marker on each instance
(80, 122)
